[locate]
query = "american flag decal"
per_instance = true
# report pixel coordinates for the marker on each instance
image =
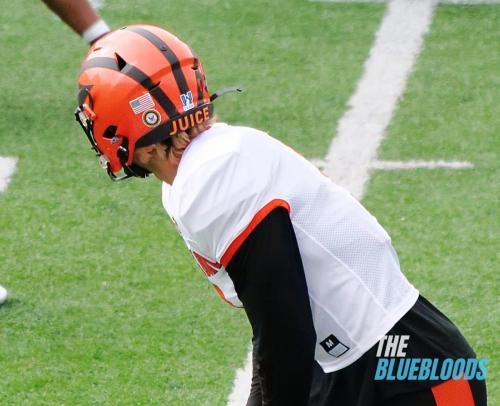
(142, 103)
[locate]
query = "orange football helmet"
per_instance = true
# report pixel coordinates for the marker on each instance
(139, 85)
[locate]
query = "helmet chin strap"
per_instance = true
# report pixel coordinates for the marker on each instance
(115, 178)
(137, 171)
(132, 170)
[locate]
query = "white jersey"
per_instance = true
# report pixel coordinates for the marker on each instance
(230, 178)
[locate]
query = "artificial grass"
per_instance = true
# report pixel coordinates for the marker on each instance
(106, 305)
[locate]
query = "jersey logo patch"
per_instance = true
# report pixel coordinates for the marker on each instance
(333, 346)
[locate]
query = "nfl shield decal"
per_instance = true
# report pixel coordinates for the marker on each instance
(187, 101)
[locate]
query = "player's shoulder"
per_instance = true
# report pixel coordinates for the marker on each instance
(216, 147)
(219, 183)
(219, 168)
(219, 141)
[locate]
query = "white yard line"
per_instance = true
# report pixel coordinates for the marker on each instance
(361, 129)
(242, 382)
(7, 169)
(469, 2)
(348, 1)
(401, 165)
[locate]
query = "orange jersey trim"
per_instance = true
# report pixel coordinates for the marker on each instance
(221, 294)
(261, 215)
(453, 393)
(208, 267)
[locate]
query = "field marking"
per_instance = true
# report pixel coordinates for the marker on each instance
(361, 129)
(402, 165)
(321, 164)
(469, 2)
(242, 382)
(7, 169)
(347, 1)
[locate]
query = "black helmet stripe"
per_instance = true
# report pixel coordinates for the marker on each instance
(199, 83)
(155, 91)
(167, 52)
(100, 62)
(83, 93)
(137, 75)
(199, 80)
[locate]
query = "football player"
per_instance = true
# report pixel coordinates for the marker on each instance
(315, 272)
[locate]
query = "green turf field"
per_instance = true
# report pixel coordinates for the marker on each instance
(107, 306)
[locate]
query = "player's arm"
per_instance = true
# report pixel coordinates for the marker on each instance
(269, 278)
(80, 16)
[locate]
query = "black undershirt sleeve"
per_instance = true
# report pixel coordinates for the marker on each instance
(268, 275)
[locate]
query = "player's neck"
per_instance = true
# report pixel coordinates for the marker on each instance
(166, 173)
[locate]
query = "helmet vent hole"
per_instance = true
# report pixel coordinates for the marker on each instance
(121, 62)
(110, 132)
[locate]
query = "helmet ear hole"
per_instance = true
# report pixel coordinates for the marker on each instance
(110, 132)
(121, 62)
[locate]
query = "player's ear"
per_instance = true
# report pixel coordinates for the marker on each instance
(143, 155)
